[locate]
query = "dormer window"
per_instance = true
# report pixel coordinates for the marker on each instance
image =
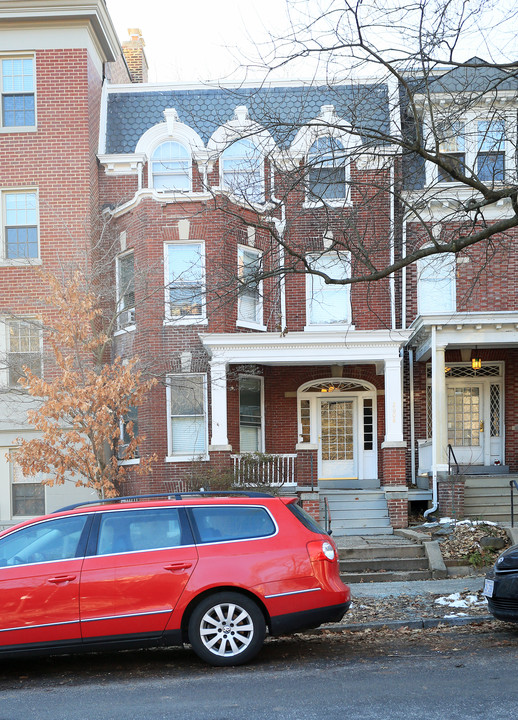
(171, 167)
(242, 170)
(327, 170)
(452, 144)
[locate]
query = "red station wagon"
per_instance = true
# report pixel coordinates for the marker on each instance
(212, 570)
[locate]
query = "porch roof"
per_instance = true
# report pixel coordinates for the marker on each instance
(306, 348)
(460, 330)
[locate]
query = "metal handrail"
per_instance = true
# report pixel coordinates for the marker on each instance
(511, 483)
(451, 455)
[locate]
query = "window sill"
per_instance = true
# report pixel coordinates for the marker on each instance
(251, 325)
(337, 203)
(330, 327)
(172, 322)
(22, 129)
(124, 463)
(19, 262)
(124, 330)
(186, 458)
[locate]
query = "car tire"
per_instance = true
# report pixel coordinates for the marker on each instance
(227, 628)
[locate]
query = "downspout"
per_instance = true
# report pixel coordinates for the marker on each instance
(412, 417)
(280, 226)
(392, 279)
(403, 277)
(435, 419)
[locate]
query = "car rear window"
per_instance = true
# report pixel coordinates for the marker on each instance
(306, 519)
(218, 523)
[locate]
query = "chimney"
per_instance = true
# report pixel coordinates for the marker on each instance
(135, 56)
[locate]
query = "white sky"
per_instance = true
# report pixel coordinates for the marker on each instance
(196, 40)
(202, 40)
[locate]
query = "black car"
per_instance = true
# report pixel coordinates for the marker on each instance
(501, 586)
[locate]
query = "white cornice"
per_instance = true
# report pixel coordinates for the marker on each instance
(305, 348)
(36, 12)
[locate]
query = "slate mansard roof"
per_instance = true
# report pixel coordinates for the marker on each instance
(281, 110)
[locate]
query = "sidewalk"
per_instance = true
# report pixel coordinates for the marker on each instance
(413, 604)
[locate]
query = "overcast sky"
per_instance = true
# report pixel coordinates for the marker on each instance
(203, 40)
(197, 39)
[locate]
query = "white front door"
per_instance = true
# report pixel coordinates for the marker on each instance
(337, 443)
(466, 423)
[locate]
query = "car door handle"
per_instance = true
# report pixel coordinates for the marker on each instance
(178, 566)
(62, 579)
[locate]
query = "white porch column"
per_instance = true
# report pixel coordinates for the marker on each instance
(439, 408)
(218, 387)
(394, 402)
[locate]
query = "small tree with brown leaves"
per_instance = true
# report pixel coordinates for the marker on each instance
(86, 402)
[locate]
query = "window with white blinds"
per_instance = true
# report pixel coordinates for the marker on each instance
(436, 284)
(187, 415)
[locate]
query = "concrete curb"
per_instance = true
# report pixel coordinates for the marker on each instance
(417, 624)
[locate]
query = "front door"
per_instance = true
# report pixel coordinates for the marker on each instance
(466, 423)
(337, 439)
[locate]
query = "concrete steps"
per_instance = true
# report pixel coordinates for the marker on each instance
(389, 561)
(357, 512)
(487, 497)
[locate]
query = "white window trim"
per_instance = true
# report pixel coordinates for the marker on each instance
(261, 190)
(12, 516)
(15, 128)
(261, 379)
(13, 262)
(187, 319)
(470, 121)
(130, 327)
(170, 458)
(5, 349)
(250, 324)
(332, 326)
(453, 285)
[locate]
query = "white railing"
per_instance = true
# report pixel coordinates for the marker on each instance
(263, 469)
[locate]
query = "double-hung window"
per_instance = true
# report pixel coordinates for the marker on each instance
(250, 307)
(242, 170)
(185, 282)
(250, 414)
(491, 151)
(328, 303)
(17, 86)
(187, 415)
(453, 145)
(20, 225)
(171, 167)
(126, 437)
(436, 284)
(327, 170)
(24, 349)
(125, 291)
(27, 492)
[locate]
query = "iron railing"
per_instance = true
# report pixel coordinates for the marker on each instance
(512, 485)
(451, 455)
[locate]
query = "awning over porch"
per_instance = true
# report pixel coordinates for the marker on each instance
(381, 348)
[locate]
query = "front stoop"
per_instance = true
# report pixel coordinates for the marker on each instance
(488, 497)
(389, 559)
(357, 512)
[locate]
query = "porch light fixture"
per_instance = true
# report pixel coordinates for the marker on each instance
(476, 363)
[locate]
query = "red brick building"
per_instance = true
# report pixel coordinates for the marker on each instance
(198, 192)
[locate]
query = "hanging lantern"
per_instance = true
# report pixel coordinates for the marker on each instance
(476, 363)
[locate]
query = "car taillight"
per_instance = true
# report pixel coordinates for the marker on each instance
(321, 550)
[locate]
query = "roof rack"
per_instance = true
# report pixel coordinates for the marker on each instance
(169, 496)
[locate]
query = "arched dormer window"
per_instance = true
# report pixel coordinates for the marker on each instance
(171, 167)
(327, 170)
(242, 170)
